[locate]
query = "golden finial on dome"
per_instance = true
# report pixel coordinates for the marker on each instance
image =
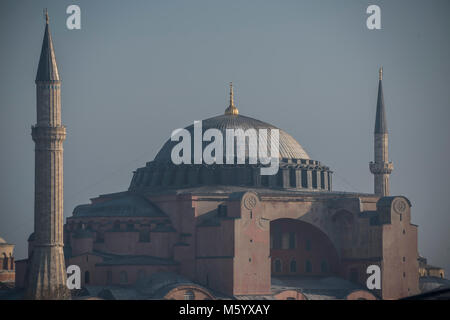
(381, 73)
(231, 110)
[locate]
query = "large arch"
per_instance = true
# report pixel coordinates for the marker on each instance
(298, 248)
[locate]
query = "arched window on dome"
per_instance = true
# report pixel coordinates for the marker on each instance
(280, 178)
(314, 179)
(322, 179)
(305, 179)
(293, 178)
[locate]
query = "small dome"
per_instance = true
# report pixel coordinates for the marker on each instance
(289, 148)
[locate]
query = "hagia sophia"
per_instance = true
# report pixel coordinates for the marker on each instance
(217, 231)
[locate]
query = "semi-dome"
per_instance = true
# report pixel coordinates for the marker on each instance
(296, 169)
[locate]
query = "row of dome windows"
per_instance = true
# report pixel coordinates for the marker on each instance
(294, 178)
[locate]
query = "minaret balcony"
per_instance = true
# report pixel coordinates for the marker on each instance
(381, 167)
(40, 133)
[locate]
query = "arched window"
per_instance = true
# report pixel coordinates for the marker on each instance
(130, 226)
(11, 260)
(277, 265)
(304, 179)
(5, 262)
(144, 235)
(308, 266)
(292, 178)
(314, 179)
(189, 295)
(285, 241)
(100, 237)
(141, 275)
(277, 240)
(87, 277)
(280, 178)
(109, 277)
(292, 240)
(123, 277)
(308, 245)
(324, 267)
(293, 266)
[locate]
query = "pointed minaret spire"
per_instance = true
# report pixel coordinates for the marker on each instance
(380, 120)
(47, 69)
(231, 110)
(381, 168)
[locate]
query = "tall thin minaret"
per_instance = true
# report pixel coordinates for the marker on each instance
(46, 275)
(381, 168)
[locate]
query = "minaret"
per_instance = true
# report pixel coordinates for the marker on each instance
(46, 275)
(231, 110)
(381, 168)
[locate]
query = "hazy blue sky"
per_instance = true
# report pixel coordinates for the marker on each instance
(139, 69)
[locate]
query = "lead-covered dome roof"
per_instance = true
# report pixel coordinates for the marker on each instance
(289, 148)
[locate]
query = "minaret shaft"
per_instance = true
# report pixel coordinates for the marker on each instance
(46, 275)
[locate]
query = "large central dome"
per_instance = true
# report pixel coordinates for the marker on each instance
(295, 169)
(289, 148)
